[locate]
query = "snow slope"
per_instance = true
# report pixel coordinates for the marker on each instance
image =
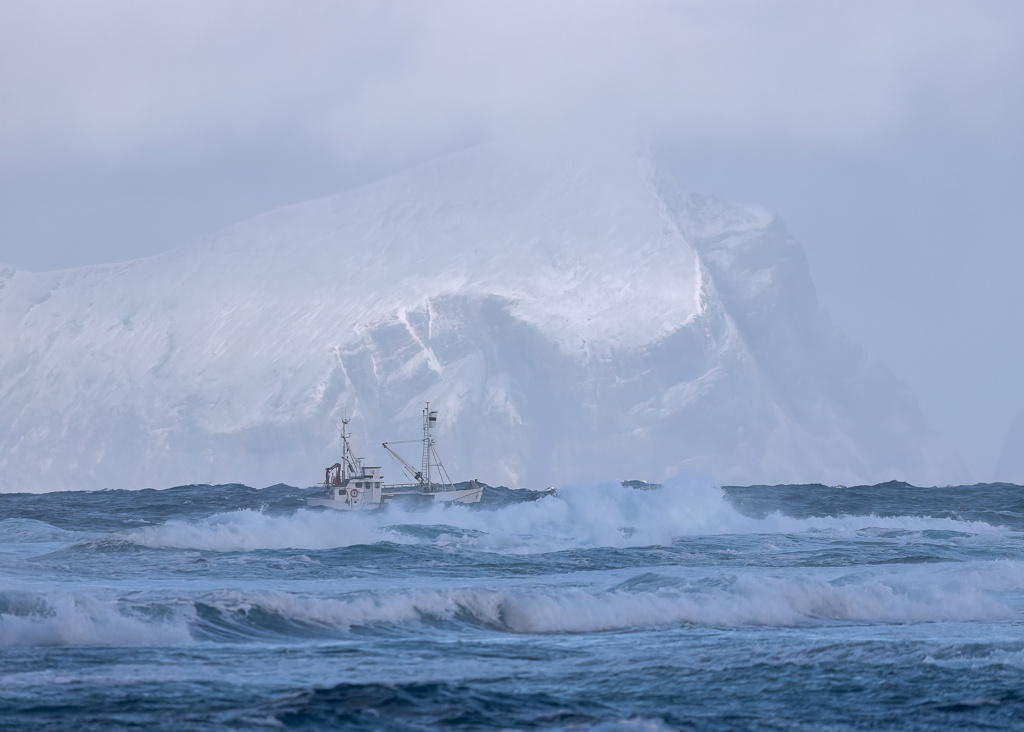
(573, 317)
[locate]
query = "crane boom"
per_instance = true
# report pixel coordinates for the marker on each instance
(409, 470)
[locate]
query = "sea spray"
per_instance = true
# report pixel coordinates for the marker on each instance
(578, 516)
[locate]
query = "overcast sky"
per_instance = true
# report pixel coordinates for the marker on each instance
(887, 135)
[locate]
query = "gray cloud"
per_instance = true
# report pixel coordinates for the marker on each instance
(115, 79)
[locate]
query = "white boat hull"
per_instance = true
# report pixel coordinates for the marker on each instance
(470, 494)
(465, 495)
(341, 505)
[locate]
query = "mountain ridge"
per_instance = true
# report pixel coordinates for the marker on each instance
(573, 318)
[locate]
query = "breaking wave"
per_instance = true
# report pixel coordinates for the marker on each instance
(655, 599)
(60, 618)
(249, 529)
(604, 515)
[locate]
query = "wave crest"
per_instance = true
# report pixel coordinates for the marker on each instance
(76, 619)
(604, 515)
(654, 599)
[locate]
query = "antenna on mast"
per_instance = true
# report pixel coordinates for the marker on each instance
(348, 463)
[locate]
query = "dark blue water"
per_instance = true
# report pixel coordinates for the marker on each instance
(601, 607)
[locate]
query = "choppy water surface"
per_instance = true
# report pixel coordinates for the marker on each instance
(797, 607)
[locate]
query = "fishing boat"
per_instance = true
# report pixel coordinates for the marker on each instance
(351, 485)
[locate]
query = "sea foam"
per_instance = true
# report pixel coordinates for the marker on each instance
(62, 618)
(911, 594)
(582, 516)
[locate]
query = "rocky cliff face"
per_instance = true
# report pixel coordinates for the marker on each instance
(572, 317)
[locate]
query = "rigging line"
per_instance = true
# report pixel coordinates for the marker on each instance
(440, 466)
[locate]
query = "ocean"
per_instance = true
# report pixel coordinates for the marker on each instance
(607, 607)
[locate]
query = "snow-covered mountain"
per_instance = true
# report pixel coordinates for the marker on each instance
(572, 317)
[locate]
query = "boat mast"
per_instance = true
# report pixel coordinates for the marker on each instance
(341, 472)
(424, 477)
(429, 418)
(351, 467)
(344, 452)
